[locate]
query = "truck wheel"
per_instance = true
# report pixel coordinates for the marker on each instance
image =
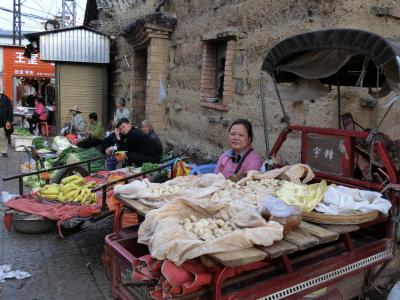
(64, 172)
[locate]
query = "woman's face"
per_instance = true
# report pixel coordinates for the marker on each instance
(238, 138)
(119, 106)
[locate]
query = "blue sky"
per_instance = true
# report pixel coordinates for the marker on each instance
(43, 8)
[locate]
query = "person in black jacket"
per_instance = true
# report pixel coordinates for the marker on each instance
(6, 116)
(140, 147)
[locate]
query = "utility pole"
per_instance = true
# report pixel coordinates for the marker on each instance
(68, 9)
(17, 22)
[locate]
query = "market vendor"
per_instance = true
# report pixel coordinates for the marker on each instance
(38, 116)
(94, 133)
(77, 123)
(120, 112)
(241, 158)
(140, 147)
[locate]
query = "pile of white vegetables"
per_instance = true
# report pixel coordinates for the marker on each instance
(207, 228)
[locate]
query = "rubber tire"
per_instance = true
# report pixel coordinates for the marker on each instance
(72, 226)
(61, 173)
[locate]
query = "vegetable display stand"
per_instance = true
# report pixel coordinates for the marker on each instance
(20, 141)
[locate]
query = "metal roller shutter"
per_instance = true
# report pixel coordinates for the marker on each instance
(82, 85)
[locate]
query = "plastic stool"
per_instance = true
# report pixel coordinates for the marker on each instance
(45, 128)
(204, 169)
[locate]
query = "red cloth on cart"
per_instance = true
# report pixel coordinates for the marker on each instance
(54, 211)
(61, 212)
(175, 281)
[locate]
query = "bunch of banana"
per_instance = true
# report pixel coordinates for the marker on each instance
(75, 179)
(72, 189)
(86, 196)
(49, 191)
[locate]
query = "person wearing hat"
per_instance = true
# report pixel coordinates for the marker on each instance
(77, 123)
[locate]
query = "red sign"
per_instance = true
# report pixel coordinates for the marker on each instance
(17, 65)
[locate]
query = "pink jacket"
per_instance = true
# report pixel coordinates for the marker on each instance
(227, 167)
(40, 110)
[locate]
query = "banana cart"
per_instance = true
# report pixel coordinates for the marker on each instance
(318, 254)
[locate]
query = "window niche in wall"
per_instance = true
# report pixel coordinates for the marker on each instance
(216, 73)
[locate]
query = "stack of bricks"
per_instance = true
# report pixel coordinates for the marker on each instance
(208, 69)
(157, 61)
(139, 86)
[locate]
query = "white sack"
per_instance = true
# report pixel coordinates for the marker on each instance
(343, 200)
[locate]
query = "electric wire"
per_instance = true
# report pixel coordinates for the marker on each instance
(23, 14)
(47, 13)
(40, 3)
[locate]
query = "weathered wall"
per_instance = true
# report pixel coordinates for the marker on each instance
(121, 75)
(260, 25)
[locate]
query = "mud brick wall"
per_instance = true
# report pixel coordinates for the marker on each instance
(254, 26)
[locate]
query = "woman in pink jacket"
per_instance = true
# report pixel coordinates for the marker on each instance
(38, 116)
(241, 158)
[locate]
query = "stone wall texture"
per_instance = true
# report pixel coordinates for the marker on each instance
(258, 26)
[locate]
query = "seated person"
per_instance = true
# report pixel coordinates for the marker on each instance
(120, 112)
(241, 158)
(94, 133)
(77, 123)
(38, 116)
(140, 147)
(151, 138)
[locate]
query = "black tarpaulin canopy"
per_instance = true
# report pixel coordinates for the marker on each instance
(303, 66)
(343, 57)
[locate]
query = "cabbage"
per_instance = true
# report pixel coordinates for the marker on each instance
(305, 196)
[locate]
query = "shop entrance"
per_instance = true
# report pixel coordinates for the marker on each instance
(26, 89)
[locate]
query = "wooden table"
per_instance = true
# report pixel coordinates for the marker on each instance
(306, 236)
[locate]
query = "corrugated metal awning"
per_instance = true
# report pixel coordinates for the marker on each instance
(75, 44)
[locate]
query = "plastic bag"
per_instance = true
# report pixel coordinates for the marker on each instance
(5, 196)
(180, 169)
(162, 93)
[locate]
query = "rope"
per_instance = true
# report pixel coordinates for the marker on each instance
(285, 117)
(264, 113)
(360, 81)
(373, 138)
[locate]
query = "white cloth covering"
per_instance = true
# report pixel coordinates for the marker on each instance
(341, 200)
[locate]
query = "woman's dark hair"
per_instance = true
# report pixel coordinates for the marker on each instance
(246, 123)
(123, 120)
(93, 116)
(38, 99)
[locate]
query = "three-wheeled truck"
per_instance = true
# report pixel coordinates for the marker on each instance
(320, 254)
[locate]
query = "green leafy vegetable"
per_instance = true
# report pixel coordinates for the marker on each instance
(38, 143)
(22, 131)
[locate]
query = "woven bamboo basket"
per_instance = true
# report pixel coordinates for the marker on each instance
(316, 217)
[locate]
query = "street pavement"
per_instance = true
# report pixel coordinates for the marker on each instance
(69, 268)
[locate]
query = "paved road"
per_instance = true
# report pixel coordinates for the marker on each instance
(67, 268)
